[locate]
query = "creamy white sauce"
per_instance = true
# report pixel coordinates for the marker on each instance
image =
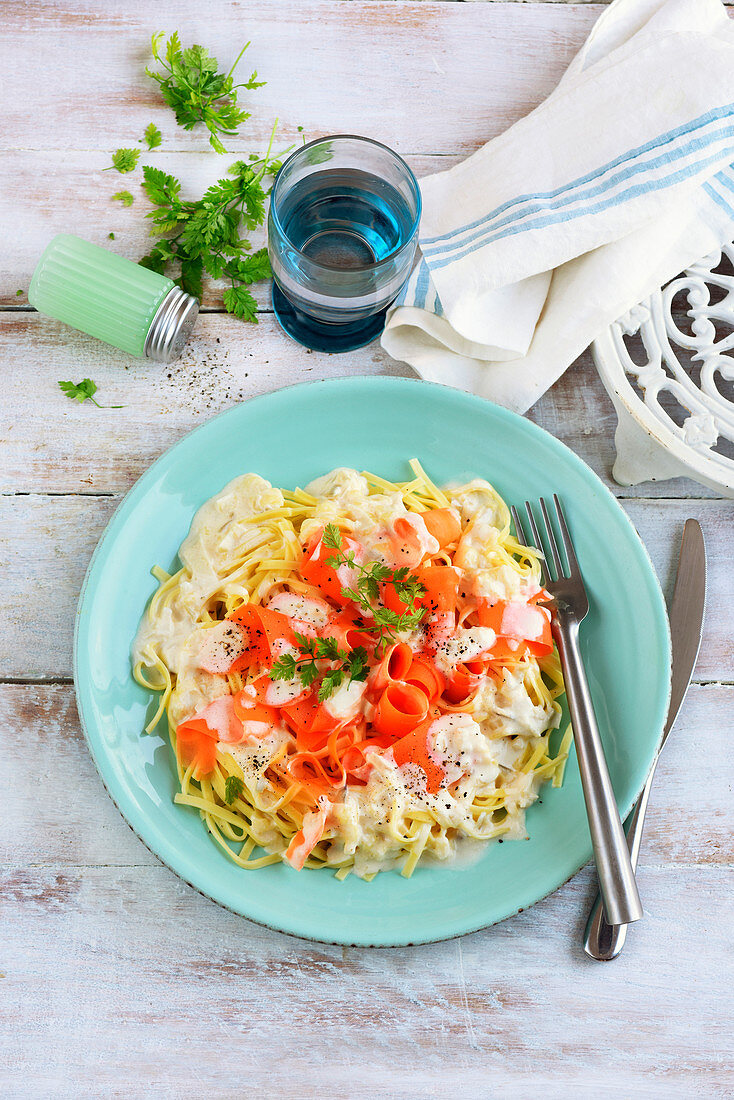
(219, 533)
(254, 758)
(281, 692)
(220, 647)
(306, 610)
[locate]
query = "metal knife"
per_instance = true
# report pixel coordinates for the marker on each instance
(604, 941)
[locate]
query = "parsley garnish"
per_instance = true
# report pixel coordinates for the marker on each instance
(153, 136)
(124, 197)
(350, 663)
(353, 663)
(192, 87)
(233, 788)
(124, 160)
(83, 391)
(204, 234)
(366, 591)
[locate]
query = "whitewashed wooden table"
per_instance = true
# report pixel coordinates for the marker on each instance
(117, 979)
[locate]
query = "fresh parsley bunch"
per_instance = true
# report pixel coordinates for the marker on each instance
(194, 89)
(204, 234)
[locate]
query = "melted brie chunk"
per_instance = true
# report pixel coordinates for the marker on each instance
(464, 645)
(345, 702)
(194, 688)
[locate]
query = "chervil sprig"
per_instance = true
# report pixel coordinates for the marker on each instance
(367, 587)
(84, 391)
(194, 89)
(204, 235)
(233, 788)
(351, 664)
(153, 136)
(124, 160)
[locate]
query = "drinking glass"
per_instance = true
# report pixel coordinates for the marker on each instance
(342, 233)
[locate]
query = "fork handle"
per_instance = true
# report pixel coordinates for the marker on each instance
(604, 941)
(617, 884)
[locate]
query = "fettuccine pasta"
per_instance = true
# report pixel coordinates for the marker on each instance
(359, 675)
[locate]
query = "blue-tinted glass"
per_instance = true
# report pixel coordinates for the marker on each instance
(342, 234)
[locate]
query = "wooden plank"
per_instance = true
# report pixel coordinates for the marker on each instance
(660, 525)
(46, 542)
(36, 179)
(98, 450)
(470, 71)
(118, 977)
(226, 361)
(48, 758)
(43, 745)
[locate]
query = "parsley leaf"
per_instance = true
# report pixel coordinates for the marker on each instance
(233, 788)
(160, 188)
(83, 391)
(196, 92)
(124, 197)
(153, 136)
(284, 668)
(331, 681)
(124, 160)
(320, 154)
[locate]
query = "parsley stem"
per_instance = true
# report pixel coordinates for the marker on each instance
(239, 55)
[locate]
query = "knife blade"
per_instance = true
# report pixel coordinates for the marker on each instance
(687, 610)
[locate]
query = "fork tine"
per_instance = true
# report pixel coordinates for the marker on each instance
(545, 573)
(519, 529)
(550, 533)
(573, 565)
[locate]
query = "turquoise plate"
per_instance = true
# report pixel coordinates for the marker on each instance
(290, 437)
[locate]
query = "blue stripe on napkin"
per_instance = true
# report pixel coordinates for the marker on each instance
(421, 286)
(718, 199)
(485, 228)
(596, 208)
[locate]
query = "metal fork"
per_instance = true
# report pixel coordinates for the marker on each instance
(569, 607)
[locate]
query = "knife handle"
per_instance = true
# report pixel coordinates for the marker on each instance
(604, 941)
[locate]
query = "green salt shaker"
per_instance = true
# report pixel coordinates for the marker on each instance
(112, 298)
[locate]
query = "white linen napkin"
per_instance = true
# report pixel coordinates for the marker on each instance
(552, 230)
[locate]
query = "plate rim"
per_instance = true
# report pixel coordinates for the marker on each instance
(466, 927)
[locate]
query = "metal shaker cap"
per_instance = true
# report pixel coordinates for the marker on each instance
(171, 326)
